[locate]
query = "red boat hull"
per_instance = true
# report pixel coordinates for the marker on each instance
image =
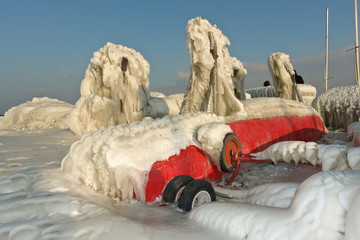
(254, 135)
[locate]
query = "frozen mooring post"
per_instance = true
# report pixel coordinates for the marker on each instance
(282, 73)
(115, 90)
(215, 75)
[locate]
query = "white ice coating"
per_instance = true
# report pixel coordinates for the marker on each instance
(308, 92)
(161, 105)
(329, 157)
(339, 106)
(116, 160)
(118, 76)
(325, 206)
(211, 138)
(37, 113)
(281, 71)
(214, 73)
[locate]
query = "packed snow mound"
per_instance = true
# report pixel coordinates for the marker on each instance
(282, 71)
(308, 92)
(339, 106)
(330, 157)
(215, 75)
(161, 105)
(117, 160)
(319, 210)
(37, 113)
(119, 76)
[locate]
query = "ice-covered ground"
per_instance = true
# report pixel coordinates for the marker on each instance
(39, 201)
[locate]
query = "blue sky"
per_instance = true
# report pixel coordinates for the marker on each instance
(46, 46)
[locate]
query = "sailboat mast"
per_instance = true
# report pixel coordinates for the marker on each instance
(326, 50)
(356, 45)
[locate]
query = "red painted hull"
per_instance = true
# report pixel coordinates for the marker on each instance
(254, 135)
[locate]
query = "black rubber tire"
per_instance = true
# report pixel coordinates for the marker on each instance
(174, 186)
(232, 139)
(192, 190)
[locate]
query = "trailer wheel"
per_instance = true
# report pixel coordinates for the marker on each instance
(175, 187)
(231, 144)
(196, 193)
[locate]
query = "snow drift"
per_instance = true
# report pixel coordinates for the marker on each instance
(37, 113)
(116, 84)
(339, 106)
(214, 73)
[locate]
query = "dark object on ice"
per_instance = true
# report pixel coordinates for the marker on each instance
(175, 187)
(298, 78)
(267, 83)
(196, 193)
(124, 63)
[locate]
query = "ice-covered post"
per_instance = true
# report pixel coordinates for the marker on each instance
(115, 90)
(213, 75)
(212, 83)
(283, 76)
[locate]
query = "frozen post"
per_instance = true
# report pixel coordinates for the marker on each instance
(212, 83)
(213, 76)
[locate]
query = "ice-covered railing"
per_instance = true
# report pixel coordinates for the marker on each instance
(308, 92)
(339, 106)
(115, 90)
(329, 157)
(215, 75)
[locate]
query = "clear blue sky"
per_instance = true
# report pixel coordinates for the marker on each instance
(46, 46)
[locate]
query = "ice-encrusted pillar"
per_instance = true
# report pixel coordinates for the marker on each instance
(282, 74)
(115, 90)
(213, 71)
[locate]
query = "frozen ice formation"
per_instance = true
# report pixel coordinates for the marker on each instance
(282, 71)
(325, 206)
(215, 75)
(329, 157)
(339, 106)
(37, 113)
(115, 90)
